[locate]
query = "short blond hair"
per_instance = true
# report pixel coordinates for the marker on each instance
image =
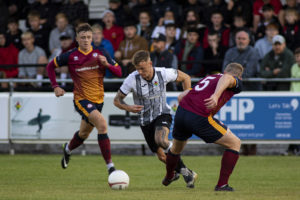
(27, 33)
(140, 56)
(61, 15)
(97, 27)
(234, 69)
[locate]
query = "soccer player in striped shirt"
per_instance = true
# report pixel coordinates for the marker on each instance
(148, 85)
(87, 69)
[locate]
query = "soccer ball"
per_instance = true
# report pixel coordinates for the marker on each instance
(118, 180)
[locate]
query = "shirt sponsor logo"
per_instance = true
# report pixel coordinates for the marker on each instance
(75, 58)
(95, 54)
(87, 68)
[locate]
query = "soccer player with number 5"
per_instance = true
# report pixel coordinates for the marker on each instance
(195, 116)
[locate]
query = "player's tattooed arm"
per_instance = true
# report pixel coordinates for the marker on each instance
(120, 103)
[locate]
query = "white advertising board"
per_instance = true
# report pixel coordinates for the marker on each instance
(44, 116)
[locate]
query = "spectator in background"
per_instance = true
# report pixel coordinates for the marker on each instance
(145, 26)
(193, 5)
(213, 6)
(101, 43)
(268, 17)
(47, 11)
(112, 32)
(277, 64)
(241, 8)
(118, 10)
(218, 26)
(214, 53)
(264, 45)
(31, 54)
(4, 16)
(169, 18)
(62, 26)
(161, 57)
(245, 55)
(171, 41)
(291, 28)
(192, 20)
(290, 4)
(131, 44)
(41, 34)
(141, 5)
(295, 72)
(239, 22)
(13, 34)
(75, 9)
(160, 7)
(66, 44)
(190, 50)
(258, 11)
(8, 56)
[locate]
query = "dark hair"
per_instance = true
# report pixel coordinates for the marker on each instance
(140, 56)
(34, 13)
(216, 11)
(12, 20)
(170, 25)
(85, 27)
(213, 32)
(268, 7)
(194, 30)
(297, 51)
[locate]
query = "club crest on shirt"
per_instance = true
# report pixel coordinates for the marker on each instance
(95, 55)
(155, 83)
(75, 58)
(89, 105)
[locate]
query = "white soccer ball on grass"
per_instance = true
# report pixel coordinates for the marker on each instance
(118, 180)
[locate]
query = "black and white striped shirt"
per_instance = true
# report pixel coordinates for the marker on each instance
(150, 94)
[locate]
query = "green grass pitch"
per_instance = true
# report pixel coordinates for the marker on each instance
(41, 177)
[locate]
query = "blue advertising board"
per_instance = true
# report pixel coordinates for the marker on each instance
(259, 116)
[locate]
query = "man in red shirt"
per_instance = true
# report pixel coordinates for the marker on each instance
(195, 116)
(8, 56)
(87, 69)
(112, 32)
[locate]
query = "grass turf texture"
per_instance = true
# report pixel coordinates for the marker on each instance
(41, 177)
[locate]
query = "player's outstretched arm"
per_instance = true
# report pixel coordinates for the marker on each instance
(120, 103)
(184, 79)
(226, 81)
(51, 73)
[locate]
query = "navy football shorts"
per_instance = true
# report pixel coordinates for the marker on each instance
(85, 107)
(149, 130)
(188, 123)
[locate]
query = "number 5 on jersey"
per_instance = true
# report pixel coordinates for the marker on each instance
(205, 82)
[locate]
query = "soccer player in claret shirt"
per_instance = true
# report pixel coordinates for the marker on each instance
(87, 69)
(148, 85)
(195, 116)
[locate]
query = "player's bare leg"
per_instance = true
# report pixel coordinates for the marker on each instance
(232, 144)
(97, 119)
(161, 139)
(76, 141)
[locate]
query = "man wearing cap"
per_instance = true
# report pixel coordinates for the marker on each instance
(131, 44)
(277, 64)
(161, 57)
(66, 44)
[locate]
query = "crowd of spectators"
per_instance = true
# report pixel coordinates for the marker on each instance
(199, 37)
